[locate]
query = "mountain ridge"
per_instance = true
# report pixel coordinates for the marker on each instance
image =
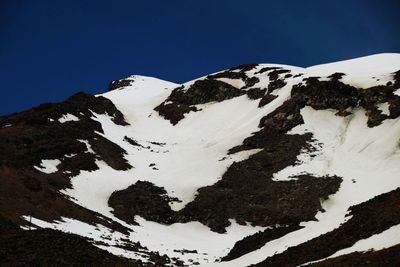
(253, 155)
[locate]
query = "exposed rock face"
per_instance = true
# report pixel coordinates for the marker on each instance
(119, 84)
(337, 95)
(258, 240)
(202, 91)
(143, 199)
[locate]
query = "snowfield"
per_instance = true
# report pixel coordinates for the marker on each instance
(194, 153)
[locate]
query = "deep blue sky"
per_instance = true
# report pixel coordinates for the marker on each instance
(52, 49)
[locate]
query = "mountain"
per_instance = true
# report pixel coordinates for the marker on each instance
(257, 165)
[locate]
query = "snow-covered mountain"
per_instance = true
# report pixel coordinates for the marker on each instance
(261, 164)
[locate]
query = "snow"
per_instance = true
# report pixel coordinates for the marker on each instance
(385, 239)
(48, 165)
(384, 108)
(192, 236)
(361, 72)
(157, 237)
(95, 233)
(201, 140)
(238, 83)
(397, 92)
(88, 146)
(375, 64)
(193, 154)
(347, 148)
(68, 117)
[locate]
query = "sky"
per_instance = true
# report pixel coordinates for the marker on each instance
(50, 50)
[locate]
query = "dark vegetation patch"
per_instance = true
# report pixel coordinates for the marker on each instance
(258, 240)
(368, 218)
(388, 257)
(32, 137)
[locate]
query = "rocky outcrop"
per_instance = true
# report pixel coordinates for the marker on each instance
(119, 84)
(366, 219)
(143, 199)
(36, 135)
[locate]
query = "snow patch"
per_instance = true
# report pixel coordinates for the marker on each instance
(48, 165)
(384, 108)
(68, 117)
(361, 72)
(88, 146)
(237, 83)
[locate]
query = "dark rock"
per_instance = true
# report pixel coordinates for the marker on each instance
(119, 84)
(144, 199)
(201, 92)
(384, 257)
(258, 240)
(256, 93)
(368, 218)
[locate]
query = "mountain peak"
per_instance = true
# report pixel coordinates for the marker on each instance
(230, 169)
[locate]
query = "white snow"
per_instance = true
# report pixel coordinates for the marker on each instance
(384, 108)
(48, 165)
(361, 72)
(397, 92)
(195, 150)
(192, 236)
(68, 117)
(349, 149)
(88, 146)
(238, 83)
(158, 237)
(193, 154)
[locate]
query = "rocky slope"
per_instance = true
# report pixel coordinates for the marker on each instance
(261, 164)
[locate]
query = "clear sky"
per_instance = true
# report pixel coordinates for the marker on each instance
(52, 49)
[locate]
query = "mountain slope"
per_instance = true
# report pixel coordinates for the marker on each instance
(262, 164)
